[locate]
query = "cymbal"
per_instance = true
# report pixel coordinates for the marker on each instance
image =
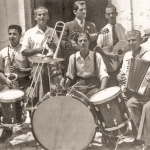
(47, 60)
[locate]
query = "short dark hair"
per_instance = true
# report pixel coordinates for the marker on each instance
(40, 7)
(77, 3)
(17, 27)
(111, 6)
(81, 34)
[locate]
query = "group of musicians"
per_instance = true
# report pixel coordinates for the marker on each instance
(84, 65)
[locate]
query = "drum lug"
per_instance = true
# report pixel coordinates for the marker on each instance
(108, 106)
(126, 116)
(119, 99)
(11, 107)
(103, 124)
(12, 120)
(98, 122)
(1, 119)
(115, 121)
(96, 108)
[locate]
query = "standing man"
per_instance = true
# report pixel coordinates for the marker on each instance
(35, 43)
(12, 63)
(138, 104)
(110, 39)
(86, 69)
(79, 24)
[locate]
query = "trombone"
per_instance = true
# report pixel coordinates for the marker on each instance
(58, 30)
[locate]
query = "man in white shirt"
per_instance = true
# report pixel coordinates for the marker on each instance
(110, 39)
(35, 43)
(88, 71)
(12, 63)
(138, 104)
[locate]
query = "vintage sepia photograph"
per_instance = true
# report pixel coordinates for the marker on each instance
(74, 75)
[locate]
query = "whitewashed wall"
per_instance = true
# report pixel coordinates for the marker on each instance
(141, 15)
(13, 12)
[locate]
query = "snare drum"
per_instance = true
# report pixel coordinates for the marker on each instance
(12, 106)
(64, 122)
(111, 109)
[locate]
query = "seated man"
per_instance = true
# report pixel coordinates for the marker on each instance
(12, 63)
(86, 69)
(138, 104)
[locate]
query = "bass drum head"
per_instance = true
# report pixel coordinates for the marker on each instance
(63, 123)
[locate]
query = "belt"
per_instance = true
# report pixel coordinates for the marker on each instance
(85, 78)
(23, 78)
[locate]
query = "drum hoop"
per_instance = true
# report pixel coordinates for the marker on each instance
(119, 126)
(92, 112)
(11, 100)
(108, 99)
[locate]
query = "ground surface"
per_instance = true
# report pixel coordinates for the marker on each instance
(22, 139)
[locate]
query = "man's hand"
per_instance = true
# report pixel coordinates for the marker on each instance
(68, 45)
(14, 69)
(9, 83)
(147, 77)
(144, 39)
(43, 51)
(51, 44)
(108, 51)
(121, 77)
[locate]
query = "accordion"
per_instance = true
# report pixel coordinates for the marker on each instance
(136, 81)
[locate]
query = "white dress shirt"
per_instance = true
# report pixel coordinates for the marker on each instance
(85, 68)
(36, 38)
(15, 55)
(107, 40)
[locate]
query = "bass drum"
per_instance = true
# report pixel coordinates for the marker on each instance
(64, 122)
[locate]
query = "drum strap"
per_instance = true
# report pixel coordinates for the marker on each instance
(142, 54)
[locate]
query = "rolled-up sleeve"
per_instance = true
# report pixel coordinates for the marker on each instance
(1, 63)
(102, 70)
(26, 42)
(71, 70)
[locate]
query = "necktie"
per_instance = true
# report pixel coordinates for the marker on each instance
(114, 35)
(82, 24)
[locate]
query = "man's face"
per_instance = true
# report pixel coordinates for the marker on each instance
(80, 13)
(134, 42)
(14, 37)
(111, 15)
(83, 43)
(41, 17)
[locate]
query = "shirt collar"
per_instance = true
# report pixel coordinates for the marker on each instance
(79, 21)
(37, 29)
(90, 56)
(111, 26)
(15, 47)
(142, 51)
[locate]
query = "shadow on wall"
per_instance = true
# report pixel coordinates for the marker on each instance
(62, 10)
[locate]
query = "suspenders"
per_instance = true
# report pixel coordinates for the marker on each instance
(95, 69)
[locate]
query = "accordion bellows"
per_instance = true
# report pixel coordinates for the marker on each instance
(139, 68)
